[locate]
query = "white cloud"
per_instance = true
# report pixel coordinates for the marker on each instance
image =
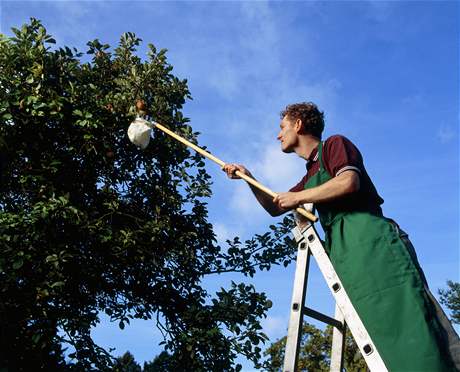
(275, 170)
(252, 142)
(225, 79)
(258, 17)
(245, 206)
(222, 232)
(379, 10)
(446, 133)
(68, 28)
(275, 327)
(246, 55)
(280, 170)
(68, 21)
(414, 100)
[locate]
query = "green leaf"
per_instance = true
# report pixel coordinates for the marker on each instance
(36, 338)
(51, 258)
(57, 284)
(18, 264)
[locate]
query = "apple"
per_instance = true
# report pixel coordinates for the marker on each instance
(140, 105)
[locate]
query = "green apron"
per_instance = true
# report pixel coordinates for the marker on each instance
(385, 285)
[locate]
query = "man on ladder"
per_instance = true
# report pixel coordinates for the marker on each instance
(372, 256)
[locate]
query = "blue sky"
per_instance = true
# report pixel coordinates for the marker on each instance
(385, 73)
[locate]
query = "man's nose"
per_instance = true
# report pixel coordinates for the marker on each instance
(278, 137)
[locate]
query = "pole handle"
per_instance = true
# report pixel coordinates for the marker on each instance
(189, 144)
(252, 181)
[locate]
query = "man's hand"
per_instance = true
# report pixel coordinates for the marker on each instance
(265, 200)
(230, 169)
(287, 200)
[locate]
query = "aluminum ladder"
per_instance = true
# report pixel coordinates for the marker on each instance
(309, 244)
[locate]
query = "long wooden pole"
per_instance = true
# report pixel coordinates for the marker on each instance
(248, 179)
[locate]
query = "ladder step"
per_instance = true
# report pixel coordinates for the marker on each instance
(323, 318)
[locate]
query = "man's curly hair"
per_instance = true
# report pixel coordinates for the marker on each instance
(312, 119)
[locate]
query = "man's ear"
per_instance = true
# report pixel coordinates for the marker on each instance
(298, 125)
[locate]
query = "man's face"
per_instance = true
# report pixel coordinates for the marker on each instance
(287, 135)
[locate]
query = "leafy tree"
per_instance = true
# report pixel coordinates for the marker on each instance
(89, 224)
(161, 363)
(126, 363)
(451, 298)
(315, 352)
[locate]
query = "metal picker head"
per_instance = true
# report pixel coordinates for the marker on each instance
(139, 132)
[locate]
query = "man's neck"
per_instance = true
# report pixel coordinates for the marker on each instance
(306, 145)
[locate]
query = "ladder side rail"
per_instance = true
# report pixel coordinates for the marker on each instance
(338, 342)
(292, 350)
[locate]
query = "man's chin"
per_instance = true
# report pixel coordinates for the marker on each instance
(287, 150)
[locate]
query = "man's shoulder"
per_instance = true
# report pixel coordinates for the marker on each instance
(339, 141)
(340, 147)
(336, 138)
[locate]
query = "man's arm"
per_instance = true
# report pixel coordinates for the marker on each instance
(343, 184)
(266, 201)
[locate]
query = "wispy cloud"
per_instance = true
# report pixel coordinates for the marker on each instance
(413, 100)
(274, 327)
(446, 133)
(63, 20)
(245, 207)
(245, 55)
(280, 170)
(379, 11)
(268, 88)
(222, 232)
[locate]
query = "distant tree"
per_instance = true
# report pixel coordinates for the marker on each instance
(451, 299)
(315, 352)
(126, 363)
(89, 224)
(162, 363)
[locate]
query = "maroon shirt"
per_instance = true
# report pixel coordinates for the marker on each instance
(340, 154)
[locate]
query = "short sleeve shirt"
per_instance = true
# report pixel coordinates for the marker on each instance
(340, 155)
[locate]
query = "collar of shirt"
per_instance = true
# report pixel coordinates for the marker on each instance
(312, 158)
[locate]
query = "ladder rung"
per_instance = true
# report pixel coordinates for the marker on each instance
(323, 318)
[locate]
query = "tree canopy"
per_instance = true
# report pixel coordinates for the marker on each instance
(450, 297)
(161, 363)
(315, 352)
(89, 224)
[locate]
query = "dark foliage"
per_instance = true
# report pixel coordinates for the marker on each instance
(89, 224)
(451, 298)
(315, 352)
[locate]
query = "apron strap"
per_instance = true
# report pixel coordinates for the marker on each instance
(320, 155)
